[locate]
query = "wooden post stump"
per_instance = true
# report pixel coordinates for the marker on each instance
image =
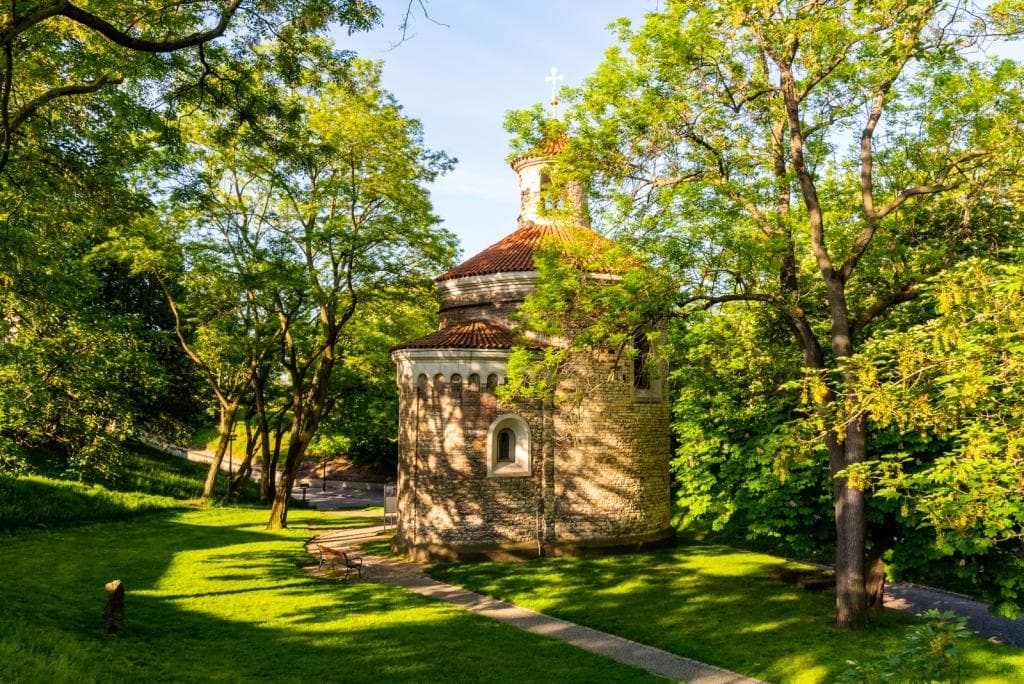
(113, 608)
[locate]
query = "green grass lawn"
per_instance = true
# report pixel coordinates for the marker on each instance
(211, 595)
(712, 603)
(34, 501)
(144, 480)
(148, 470)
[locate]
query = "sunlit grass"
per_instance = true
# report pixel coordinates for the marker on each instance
(207, 437)
(144, 480)
(212, 595)
(715, 604)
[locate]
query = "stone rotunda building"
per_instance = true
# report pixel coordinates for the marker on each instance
(480, 478)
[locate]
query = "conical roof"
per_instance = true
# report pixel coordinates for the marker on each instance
(467, 335)
(551, 146)
(515, 252)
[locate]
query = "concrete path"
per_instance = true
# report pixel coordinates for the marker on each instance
(905, 597)
(652, 659)
(411, 576)
(339, 494)
(912, 599)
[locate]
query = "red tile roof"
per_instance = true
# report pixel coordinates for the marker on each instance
(515, 252)
(468, 335)
(548, 148)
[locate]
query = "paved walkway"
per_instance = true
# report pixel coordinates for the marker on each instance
(904, 597)
(649, 658)
(411, 576)
(340, 495)
(913, 599)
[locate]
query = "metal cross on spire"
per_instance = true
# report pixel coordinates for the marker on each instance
(553, 78)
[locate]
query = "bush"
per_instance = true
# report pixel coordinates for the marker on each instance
(928, 653)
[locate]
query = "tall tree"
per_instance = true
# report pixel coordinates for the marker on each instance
(56, 53)
(959, 375)
(211, 247)
(354, 212)
(328, 215)
(86, 91)
(754, 133)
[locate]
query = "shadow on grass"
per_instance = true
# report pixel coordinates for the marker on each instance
(712, 603)
(213, 596)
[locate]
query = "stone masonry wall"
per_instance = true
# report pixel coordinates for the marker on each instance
(445, 494)
(611, 459)
(455, 312)
(611, 463)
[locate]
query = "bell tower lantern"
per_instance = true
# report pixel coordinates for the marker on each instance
(542, 201)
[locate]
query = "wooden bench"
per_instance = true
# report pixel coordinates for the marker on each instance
(338, 559)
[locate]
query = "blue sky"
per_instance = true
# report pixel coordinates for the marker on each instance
(491, 56)
(460, 79)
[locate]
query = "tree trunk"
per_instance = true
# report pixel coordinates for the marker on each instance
(263, 430)
(883, 538)
(227, 425)
(279, 508)
(304, 426)
(292, 462)
(850, 506)
(275, 457)
(851, 600)
(245, 467)
(874, 587)
(851, 531)
(548, 475)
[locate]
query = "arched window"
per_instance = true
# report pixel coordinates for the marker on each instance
(551, 199)
(508, 447)
(641, 369)
(457, 386)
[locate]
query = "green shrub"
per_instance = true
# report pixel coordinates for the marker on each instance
(928, 653)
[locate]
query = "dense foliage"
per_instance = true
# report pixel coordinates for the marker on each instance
(803, 172)
(214, 179)
(89, 99)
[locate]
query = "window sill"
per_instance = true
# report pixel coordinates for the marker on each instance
(509, 471)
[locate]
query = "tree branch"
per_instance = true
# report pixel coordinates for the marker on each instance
(809, 344)
(5, 105)
(21, 23)
(938, 186)
(126, 40)
(64, 91)
(905, 293)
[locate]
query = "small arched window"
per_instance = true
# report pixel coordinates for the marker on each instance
(550, 197)
(457, 386)
(508, 447)
(641, 361)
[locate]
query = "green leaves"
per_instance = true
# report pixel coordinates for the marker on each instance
(928, 653)
(960, 375)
